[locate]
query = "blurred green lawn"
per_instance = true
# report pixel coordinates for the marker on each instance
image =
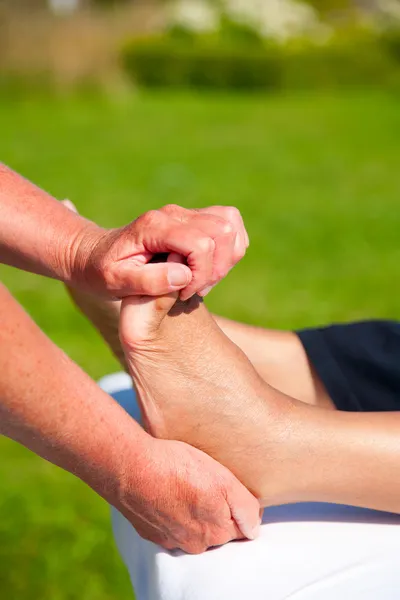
(317, 180)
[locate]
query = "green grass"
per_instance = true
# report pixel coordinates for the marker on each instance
(317, 180)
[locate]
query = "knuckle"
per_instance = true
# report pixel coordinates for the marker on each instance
(227, 228)
(217, 277)
(171, 209)
(221, 271)
(232, 213)
(149, 218)
(195, 548)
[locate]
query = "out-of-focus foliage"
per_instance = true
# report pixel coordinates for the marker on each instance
(277, 20)
(237, 56)
(273, 19)
(344, 62)
(263, 44)
(391, 40)
(109, 3)
(390, 10)
(168, 62)
(332, 7)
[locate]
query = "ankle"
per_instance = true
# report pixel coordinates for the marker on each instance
(288, 452)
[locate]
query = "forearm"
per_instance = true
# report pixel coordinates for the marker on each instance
(38, 233)
(340, 457)
(50, 406)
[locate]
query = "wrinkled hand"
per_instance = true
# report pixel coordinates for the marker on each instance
(184, 499)
(117, 263)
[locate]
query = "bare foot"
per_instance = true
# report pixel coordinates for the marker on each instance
(197, 386)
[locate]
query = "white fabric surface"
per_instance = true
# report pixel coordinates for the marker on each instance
(304, 552)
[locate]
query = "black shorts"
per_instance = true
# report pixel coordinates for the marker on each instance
(359, 363)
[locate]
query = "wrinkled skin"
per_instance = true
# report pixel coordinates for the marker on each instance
(185, 499)
(117, 263)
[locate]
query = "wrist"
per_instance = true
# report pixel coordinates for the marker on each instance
(77, 254)
(122, 466)
(137, 474)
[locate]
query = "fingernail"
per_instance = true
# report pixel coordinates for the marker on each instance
(177, 275)
(255, 532)
(205, 291)
(69, 205)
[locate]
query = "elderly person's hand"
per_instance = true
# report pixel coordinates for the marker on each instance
(183, 498)
(41, 235)
(116, 262)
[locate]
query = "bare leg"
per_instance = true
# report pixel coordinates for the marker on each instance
(280, 359)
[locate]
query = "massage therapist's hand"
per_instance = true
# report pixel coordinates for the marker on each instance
(39, 234)
(212, 240)
(175, 495)
(185, 499)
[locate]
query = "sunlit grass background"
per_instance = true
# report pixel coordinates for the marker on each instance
(317, 180)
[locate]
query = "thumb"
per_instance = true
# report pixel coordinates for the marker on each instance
(150, 279)
(245, 510)
(141, 316)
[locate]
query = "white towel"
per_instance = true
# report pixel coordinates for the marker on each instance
(304, 552)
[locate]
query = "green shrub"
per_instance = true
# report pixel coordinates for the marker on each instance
(391, 42)
(338, 64)
(239, 34)
(205, 64)
(332, 7)
(234, 59)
